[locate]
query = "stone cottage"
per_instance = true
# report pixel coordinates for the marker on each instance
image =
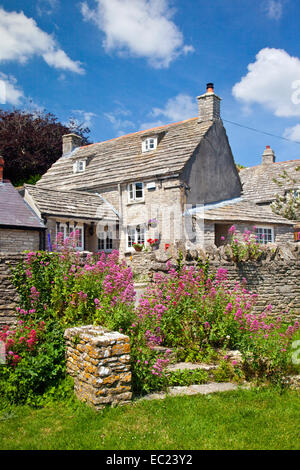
(151, 184)
(20, 228)
(261, 183)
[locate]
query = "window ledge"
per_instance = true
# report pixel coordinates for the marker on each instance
(135, 202)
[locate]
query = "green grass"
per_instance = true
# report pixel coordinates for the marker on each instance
(244, 419)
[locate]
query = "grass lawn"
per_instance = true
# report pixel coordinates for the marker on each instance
(244, 419)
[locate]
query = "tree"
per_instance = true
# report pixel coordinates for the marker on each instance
(30, 142)
(287, 205)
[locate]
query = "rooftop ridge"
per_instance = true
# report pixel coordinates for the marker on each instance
(140, 132)
(71, 191)
(275, 163)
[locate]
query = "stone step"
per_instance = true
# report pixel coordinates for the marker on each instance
(204, 389)
(190, 366)
(140, 288)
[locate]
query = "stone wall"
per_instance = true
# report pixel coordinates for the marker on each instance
(99, 362)
(8, 294)
(275, 276)
(15, 241)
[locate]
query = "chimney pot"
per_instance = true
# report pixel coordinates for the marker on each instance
(209, 105)
(70, 142)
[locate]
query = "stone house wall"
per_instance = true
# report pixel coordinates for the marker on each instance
(15, 241)
(163, 203)
(206, 232)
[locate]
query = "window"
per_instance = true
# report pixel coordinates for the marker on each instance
(79, 166)
(135, 235)
(264, 235)
(149, 144)
(105, 241)
(67, 229)
(135, 192)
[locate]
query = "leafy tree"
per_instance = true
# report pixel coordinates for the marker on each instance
(30, 142)
(287, 205)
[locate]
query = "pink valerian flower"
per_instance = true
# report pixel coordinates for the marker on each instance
(34, 295)
(229, 308)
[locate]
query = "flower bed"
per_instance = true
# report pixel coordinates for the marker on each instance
(199, 315)
(186, 311)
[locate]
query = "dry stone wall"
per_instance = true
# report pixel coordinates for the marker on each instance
(274, 276)
(99, 362)
(8, 295)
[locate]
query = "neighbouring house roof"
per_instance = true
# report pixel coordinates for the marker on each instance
(238, 210)
(14, 211)
(258, 184)
(121, 159)
(75, 204)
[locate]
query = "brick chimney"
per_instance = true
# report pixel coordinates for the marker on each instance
(1, 169)
(209, 105)
(268, 156)
(70, 142)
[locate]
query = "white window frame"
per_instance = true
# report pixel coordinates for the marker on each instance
(132, 192)
(149, 144)
(67, 229)
(79, 166)
(105, 241)
(260, 232)
(137, 234)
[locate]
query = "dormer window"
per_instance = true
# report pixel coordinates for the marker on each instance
(135, 192)
(149, 144)
(79, 166)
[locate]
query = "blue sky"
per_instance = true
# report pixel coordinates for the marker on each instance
(124, 65)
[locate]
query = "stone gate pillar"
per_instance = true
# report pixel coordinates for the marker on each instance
(99, 362)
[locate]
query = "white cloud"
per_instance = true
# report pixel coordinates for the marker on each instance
(272, 81)
(21, 39)
(119, 121)
(274, 9)
(85, 118)
(179, 108)
(292, 133)
(139, 28)
(9, 92)
(46, 7)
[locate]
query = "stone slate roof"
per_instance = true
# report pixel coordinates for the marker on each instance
(75, 204)
(14, 212)
(241, 211)
(258, 184)
(121, 159)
